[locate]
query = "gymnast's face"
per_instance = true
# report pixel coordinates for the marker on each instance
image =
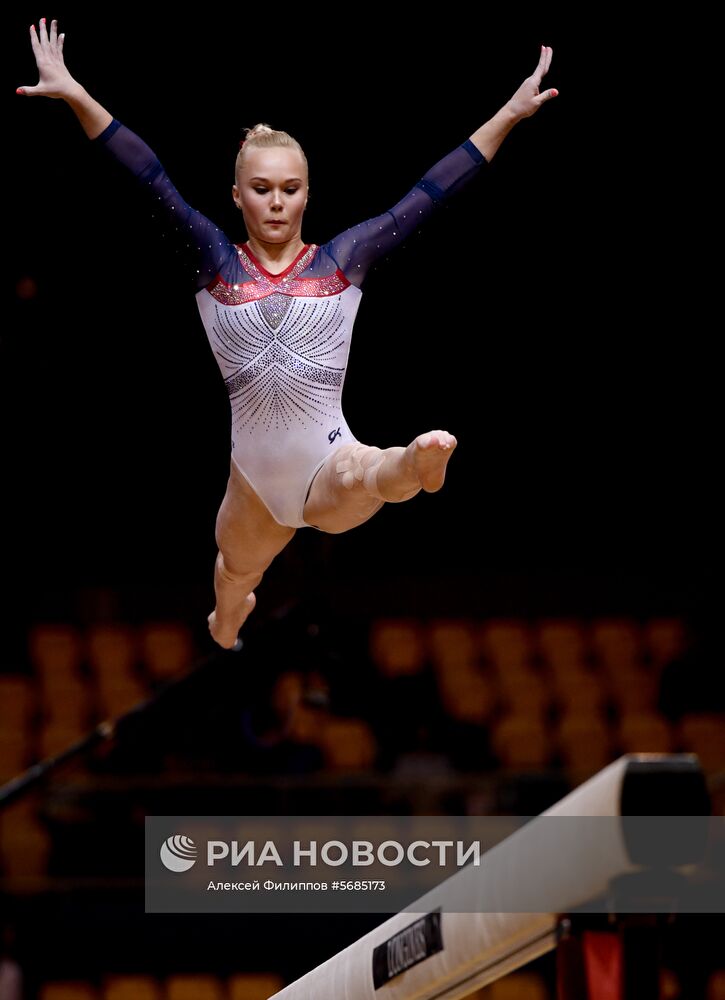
(272, 185)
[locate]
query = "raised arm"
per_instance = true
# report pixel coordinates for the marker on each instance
(525, 102)
(205, 247)
(356, 249)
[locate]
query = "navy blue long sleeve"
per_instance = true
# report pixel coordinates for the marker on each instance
(352, 251)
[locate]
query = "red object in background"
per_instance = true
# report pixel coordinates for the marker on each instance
(603, 965)
(26, 287)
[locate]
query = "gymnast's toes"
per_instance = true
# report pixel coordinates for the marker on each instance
(429, 455)
(437, 439)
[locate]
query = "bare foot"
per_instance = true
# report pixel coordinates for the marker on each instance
(226, 630)
(428, 455)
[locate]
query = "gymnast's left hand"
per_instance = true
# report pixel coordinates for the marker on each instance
(527, 100)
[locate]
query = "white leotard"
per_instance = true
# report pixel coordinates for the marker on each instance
(282, 344)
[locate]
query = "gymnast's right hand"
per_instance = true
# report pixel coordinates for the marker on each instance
(55, 80)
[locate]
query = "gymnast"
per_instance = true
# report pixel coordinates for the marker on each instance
(278, 313)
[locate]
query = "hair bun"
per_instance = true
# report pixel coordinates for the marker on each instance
(261, 128)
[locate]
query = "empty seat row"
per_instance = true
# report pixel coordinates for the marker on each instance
(403, 645)
(58, 650)
(243, 986)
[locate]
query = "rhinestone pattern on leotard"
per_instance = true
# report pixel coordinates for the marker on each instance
(263, 286)
(280, 348)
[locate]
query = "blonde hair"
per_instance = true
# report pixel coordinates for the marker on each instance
(262, 136)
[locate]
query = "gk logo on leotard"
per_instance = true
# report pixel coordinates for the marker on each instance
(334, 434)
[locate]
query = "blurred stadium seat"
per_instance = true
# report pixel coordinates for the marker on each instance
(14, 753)
(57, 736)
(467, 696)
(644, 732)
(116, 695)
(397, 646)
(703, 733)
(561, 645)
(131, 988)
(75, 990)
(347, 744)
(632, 689)
(165, 648)
(521, 742)
(616, 642)
(453, 644)
(583, 743)
(664, 639)
(507, 643)
(17, 702)
(25, 844)
(517, 986)
(580, 690)
(523, 691)
(253, 986)
(65, 699)
(112, 650)
(194, 988)
(56, 649)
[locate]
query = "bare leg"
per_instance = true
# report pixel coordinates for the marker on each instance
(248, 538)
(357, 479)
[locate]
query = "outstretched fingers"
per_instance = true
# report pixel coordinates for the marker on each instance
(54, 78)
(43, 34)
(544, 62)
(35, 42)
(543, 66)
(528, 99)
(48, 36)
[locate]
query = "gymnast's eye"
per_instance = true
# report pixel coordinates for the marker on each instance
(261, 190)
